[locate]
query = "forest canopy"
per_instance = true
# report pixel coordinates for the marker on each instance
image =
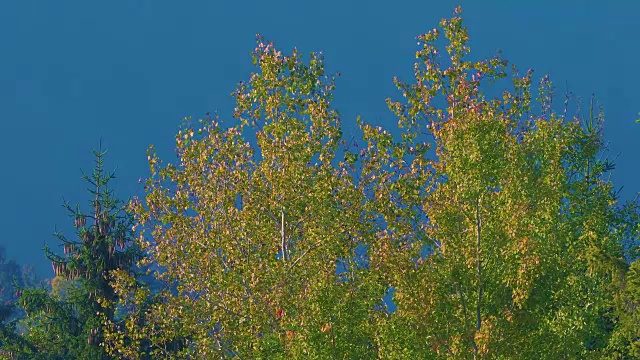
(492, 221)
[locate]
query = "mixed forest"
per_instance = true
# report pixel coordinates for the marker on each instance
(486, 212)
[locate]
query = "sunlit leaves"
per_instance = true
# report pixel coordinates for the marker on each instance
(275, 242)
(251, 234)
(523, 236)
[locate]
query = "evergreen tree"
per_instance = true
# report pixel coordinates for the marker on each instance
(68, 324)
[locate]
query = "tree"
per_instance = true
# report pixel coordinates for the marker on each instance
(13, 277)
(506, 242)
(524, 231)
(259, 242)
(68, 324)
(10, 276)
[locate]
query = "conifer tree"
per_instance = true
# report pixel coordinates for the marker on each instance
(70, 326)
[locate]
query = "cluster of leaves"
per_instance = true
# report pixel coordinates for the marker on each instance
(492, 220)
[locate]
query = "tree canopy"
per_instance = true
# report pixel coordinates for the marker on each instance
(491, 220)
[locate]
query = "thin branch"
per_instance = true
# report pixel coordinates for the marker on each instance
(479, 260)
(303, 254)
(466, 322)
(283, 243)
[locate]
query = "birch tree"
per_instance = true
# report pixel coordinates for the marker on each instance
(523, 231)
(260, 241)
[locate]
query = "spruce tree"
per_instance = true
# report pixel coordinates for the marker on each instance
(68, 324)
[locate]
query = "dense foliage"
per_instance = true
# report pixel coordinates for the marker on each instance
(506, 242)
(492, 220)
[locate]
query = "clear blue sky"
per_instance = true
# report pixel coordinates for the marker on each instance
(129, 71)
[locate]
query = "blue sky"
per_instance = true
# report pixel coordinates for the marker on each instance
(129, 71)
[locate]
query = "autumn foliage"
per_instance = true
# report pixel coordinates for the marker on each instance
(491, 220)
